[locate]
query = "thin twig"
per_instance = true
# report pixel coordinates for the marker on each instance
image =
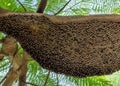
(42, 6)
(30, 83)
(4, 77)
(57, 80)
(3, 65)
(73, 5)
(22, 5)
(62, 7)
(47, 78)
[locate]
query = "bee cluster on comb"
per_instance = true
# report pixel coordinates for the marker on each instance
(80, 47)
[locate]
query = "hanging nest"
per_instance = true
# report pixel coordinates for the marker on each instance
(75, 46)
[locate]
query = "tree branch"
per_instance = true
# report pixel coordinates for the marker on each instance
(30, 83)
(42, 6)
(23, 68)
(22, 5)
(62, 7)
(3, 11)
(1, 56)
(57, 79)
(47, 78)
(3, 65)
(3, 79)
(11, 77)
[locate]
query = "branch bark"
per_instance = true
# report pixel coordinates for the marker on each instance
(19, 66)
(3, 11)
(23, 70)
(42, 6)
(11, 77)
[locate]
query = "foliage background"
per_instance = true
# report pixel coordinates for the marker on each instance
(37, 74)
